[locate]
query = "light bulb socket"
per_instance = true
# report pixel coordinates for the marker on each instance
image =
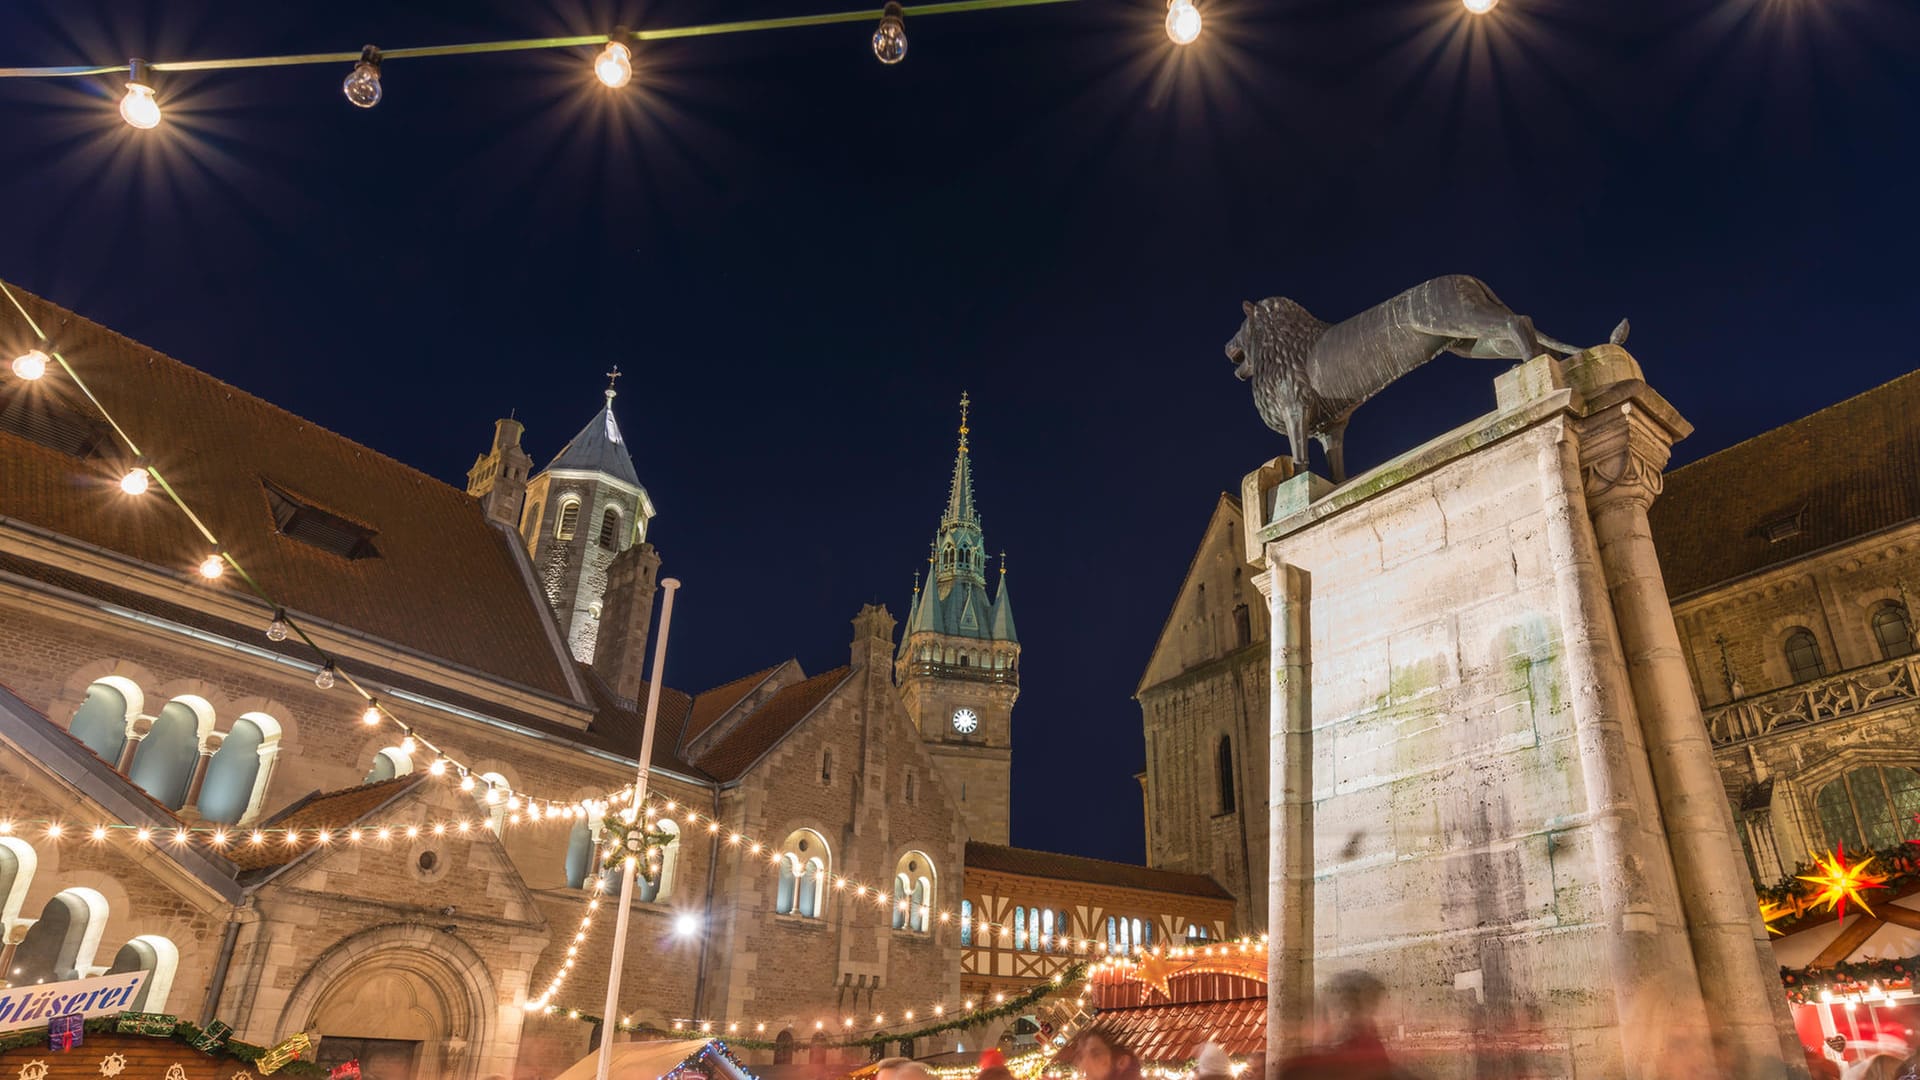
(139, 73)
(370, 56)
(623, 37)
(893, 12)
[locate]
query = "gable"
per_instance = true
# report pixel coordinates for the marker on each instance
(1202, 625)
(717, 712)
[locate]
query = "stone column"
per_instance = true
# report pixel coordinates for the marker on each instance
(16, 933)
(136, 731)
(1655, 986)
(1290, 798)
(209, 746)
(1624, 443)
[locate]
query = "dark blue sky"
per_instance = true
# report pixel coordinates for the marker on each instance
(802, 258)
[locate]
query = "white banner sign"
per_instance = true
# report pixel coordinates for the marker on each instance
(33, 1006)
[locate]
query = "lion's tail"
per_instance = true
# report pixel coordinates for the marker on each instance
(1618, 337)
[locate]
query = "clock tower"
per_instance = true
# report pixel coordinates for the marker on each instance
(959, 662)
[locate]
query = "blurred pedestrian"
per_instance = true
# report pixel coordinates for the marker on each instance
(1213, 1063)
(1100, 1058)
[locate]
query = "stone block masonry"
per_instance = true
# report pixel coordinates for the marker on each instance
(1478, 772)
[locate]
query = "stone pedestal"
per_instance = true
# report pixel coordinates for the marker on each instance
(1507, 822)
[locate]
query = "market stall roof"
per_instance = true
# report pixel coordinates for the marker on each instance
(653, 1060)
(1173, 1034)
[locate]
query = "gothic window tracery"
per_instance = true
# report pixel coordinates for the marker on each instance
(1870, 808)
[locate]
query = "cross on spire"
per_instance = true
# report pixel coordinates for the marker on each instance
(965, 401)
(612, 377)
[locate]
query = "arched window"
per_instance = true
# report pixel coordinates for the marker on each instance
(1891, 629)
(569, 519)
(1242, 625)
(233, 773)
(1803, 655)
(1020, 928)
(1113, 936)
(966, 922)
(1223, 769)
(805, 863)
(609, 537)
(156, 956)
(913, 880)
(1126, 939)
(909, 787)
(783, 1048)
(826, 765)
(1046, 931)
(389, 763)
(101, 722)
(817, 1049)
(163, 765)
(662, 861)
(581, 854)
(18, 861)
(1870, 808)
(60, 946)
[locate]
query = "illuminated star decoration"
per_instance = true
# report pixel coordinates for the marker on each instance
(1771, 913)
(1154, 970)
(1839, 882)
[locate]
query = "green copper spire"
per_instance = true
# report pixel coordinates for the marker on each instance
(954, 598)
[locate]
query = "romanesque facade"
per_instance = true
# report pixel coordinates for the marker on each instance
(397, 895)
(1203, 704)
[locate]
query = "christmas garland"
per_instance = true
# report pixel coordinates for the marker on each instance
(185, 1033)
(1898, 866)
(1804, 985)
(1012, 1006)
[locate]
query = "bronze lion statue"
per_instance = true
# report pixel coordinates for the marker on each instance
(1309, 376)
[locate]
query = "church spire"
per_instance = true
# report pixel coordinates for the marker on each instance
(960, 509)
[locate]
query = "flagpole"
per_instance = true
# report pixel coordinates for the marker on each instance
(638, 808)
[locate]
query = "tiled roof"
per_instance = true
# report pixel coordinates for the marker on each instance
(772, 722)
(1048, 864)
(617, 725)
(1173, 1034)
(444, 583)
(1846, 471)
(710, 705)
(330, 810)
(599, 448)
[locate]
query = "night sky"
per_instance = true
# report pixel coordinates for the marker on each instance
(802, 258)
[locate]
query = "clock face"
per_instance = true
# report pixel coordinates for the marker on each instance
(965, 721)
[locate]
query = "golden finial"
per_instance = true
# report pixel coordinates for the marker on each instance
(965, 401)
(1003, 562)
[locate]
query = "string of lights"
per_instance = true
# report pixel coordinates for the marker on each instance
(613, 65)
(232, 838)
(518, 808)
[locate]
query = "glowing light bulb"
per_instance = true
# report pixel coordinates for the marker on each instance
(135, 481)
(324, 678)
(614, 66)
(466, 783)
(408, 746)
(212, 566)
(139, 108)
(439, 767)
(277, 629)
(1183, 21)
(372, 714)
(362, 87)
(890, 40)
(30, 365)
(1481, 7)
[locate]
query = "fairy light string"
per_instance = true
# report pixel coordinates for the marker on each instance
(519, 807)
(956, 7)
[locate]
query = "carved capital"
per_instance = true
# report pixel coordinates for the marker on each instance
(1623, 452)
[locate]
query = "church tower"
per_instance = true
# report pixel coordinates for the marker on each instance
(959, 662)
(582, 510)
